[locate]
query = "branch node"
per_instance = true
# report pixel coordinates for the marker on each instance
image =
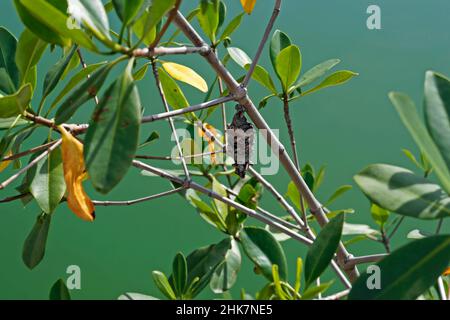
(240, 93)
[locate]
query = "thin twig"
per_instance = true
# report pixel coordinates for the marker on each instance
(269, 27)
(11, 179)
(14, 198)
(366, 259)
(168, 158)
(338, 295)
(172, 125)
(162, 51)
(27, 152)
(166, 25)
(135, 201)
(397, 226)
(84, 66)
(197, 107)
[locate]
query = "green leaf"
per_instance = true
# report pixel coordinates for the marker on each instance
(206, 212)
(314, 73)
(401, 191)
(437, 111)
(221, 206)
(163, 285)
(151, 138)
(34, 246)
(13, 105)
(82, 93)
(8, 45)
(262, 248)
(280, 40)
(179, 274)
(408, 114)
(40, 29)
(339, 192)
(174, 95)
(154, 14)
(379, 215)
(208, 18)
(407, 272)
(225, 275)
(91, 14)
(48, 185)
(8, 122)
(76, 79)
(55, 73)
(6, 84)
(113, 135)
(142, 71)
(203, 262)
(288, 65)
(263, 77)
(59, 291)
(335, 79)
(321, 252)
(127, 10)
(231, 27)
(239, 56)
(29, 51)
(293, 194)
(411, 157)
(313, 292)
(55, 21)
(357, 229)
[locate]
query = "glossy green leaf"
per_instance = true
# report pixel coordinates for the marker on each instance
(400, 190)
(222, 13)
(335, 79)
(211, 216)
(40, 29)
(151, 138)
(75, 80)
(141, 72)
(408, 114)
(163, 285)
(179, 274)
(147, 36)
(127, 10)
(338, 193)
(82, 93)
(48, 186)
(8, 122)
(280, 40)
(13, 105)
(231, 27)
(34, 246)
(293, 195)
(203, 262)
(225, 275)
(262, 248)
(239, 56)
(379, 215)
(288, 65)
(263, 77)
(91, 14)
(155, 12)
(208, 18)
(437, 112)
(59, 291)
(174, 95)
(8, 46)
(113, 135)
(357, 229)
(56, 22)
(313, 292)
(29, 51)
(407, 272)
(314, 73)
(221, 206)
(55, 73)
(321, 252)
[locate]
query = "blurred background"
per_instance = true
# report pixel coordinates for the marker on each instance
(344, 128)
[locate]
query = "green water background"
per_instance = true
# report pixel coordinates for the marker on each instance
(344, 128)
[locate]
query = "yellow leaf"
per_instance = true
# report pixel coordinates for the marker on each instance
(446, 272)
(248, 5)
(210, 139)
(74, 175)
(5, 164)
(185, 74)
